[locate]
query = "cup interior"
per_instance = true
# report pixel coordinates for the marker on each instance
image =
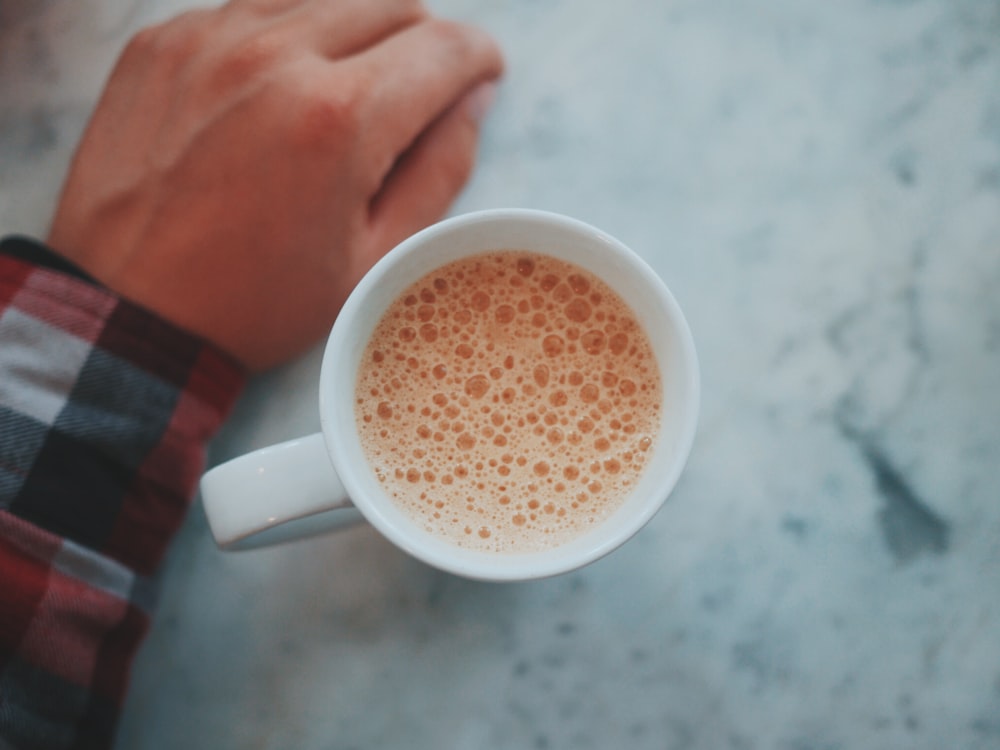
(544, 233)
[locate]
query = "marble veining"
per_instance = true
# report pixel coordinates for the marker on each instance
(819, 185)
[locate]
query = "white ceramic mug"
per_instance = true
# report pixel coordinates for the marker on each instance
(325, 478)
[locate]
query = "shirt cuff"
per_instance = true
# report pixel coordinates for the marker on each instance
(33, 251)
(105, 411)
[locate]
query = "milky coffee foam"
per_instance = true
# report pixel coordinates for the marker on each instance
(508, 401)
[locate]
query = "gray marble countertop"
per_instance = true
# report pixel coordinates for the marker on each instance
(819, 184)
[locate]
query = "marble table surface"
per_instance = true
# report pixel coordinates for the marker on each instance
(819, 184)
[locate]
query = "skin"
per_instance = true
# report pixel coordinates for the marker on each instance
(247, 164)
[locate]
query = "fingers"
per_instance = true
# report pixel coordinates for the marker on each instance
(333, 28)
(416, 75)
(263, 7)
(340, 28)
(426, 180)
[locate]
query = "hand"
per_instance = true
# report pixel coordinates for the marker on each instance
(246, 165)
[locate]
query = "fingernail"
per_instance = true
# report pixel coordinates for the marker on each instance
(479, 101)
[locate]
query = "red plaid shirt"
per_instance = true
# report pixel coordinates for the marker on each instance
(105, 411)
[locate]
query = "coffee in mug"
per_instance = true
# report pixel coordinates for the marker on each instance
(508, 401)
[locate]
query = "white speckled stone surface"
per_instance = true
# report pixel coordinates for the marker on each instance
(819, 184)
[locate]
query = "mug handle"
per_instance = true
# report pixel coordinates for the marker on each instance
(275, 494)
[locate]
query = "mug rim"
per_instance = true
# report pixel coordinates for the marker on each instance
(336, 401)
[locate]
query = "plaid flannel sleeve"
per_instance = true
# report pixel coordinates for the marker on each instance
(105, 411)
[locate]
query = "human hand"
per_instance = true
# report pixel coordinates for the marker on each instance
(246, 165)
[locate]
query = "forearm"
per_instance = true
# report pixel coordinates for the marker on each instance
(105, 411)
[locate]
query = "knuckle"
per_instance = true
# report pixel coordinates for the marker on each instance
(461, 41)
(246, 59)
(322, 116)
(399, 13)
(174, 41)
(467, 47)
(262, 8)
(414, 9)
(142, 42)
